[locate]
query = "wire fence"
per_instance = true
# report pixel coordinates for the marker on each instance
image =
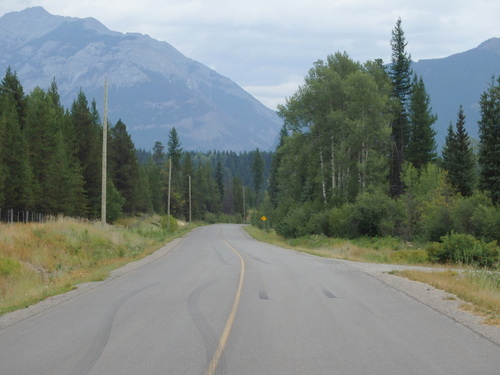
(15, 216)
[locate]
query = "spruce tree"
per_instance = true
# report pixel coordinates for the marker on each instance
(275, 163)
(41, 130)
(11, 87)
(258, 175)
(187, 174)
(422, 145)
(458, 158)
(16, 180)
(219, 180)
(158, 154)
(174, 149)
(400, 73)
(123, 166)
(85, 140)
(489, 141)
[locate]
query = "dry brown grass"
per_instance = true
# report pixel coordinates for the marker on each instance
(479, 289)
(38, 260)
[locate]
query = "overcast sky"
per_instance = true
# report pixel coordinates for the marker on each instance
(268, 46)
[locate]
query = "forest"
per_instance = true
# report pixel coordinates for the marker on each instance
(357, 157)
(51, 164)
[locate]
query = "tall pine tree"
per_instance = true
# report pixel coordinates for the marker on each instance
(422, 145)
(489, 140)
(458, 158)
(400, 73)
(123, 166)
(16, 180)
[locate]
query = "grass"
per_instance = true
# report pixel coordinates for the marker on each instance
(478, 288)
(375, 250)
(39, 260)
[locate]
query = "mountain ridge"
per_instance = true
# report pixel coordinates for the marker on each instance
(153, 87)
(459, 79)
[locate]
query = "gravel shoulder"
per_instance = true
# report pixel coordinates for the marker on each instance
(446, 303)
(443, 302)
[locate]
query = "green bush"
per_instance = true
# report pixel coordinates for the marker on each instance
(486, 222)
(8, 266)
(318, 223)
(465, 249)
(373, 214)
(173, 225)
(294, 223)
(341, 222)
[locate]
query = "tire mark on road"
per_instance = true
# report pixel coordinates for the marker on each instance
(87, 362)
(207, 333)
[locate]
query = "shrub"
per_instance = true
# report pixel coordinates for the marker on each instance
(294, 223)
(465, 249)
(373, 214)
(8, 266)
(173, 225)
(341, 222)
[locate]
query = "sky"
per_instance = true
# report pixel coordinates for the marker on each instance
(268, 46)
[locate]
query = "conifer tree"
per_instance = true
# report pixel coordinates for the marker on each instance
(158, 154)
(174, 149)
(258, 175)
(422, 145)
(489, 141)
(458, 158)
(219, 180)
(123, 166)
(16, 180)
(400, 73)
(187, 174)
(275, 163)
(12, 88)
(84, 137)
(41, 130)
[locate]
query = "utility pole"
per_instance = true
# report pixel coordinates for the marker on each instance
(244, 208)
(104, 154)
(189, 199)
(168, 199)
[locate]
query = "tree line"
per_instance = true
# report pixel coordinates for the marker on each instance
(51, 157)
(357, 157)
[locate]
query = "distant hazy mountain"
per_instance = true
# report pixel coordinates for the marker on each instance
(152, 86)
(460, 79)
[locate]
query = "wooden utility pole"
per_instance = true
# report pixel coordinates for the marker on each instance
(244, 208)
(168, 199)
(104, 154)
(189, 199)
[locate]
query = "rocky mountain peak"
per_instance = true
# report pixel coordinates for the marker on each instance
(153, 87)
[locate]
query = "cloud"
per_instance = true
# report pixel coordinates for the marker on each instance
(263, 45)
(272, 95)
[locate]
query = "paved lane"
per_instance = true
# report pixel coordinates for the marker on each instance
(272, 311)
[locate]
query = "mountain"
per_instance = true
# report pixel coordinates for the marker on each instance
(152, 86)
(459, 79)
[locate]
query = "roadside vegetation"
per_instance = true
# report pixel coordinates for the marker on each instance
(480, 289)
(38, 260)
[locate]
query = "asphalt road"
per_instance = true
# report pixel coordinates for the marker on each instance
(222, 303)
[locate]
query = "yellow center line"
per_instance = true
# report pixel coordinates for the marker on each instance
(230, 320)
